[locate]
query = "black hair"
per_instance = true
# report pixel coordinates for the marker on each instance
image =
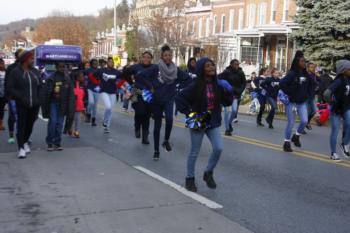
(262, 71)
(298, 55)
(2, 60)
(233, 61)
(147, 52)
(200, 89)
(165, 48)
(92, 61)
(110, 58)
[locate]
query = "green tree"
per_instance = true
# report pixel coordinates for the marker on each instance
(325, 30)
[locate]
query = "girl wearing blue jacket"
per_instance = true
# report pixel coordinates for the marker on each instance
(271, 85)
(142, 108)
(204, 96)
(160, 82)
(297, 86)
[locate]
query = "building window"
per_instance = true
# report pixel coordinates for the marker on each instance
(232, 20)
(285, 10)
(262, 13)
(240, 19)
(200, 27)
(252, 15)
(273, 11)
(193, 27)
(222, 23)
(215, 24)
(207, 27)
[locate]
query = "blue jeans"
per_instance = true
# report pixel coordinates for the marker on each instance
(312, 108)
(109, 102)
(335, 120)
(55, 125)
(302, 112)
(229, 116)
(214, 136)
(93, 100)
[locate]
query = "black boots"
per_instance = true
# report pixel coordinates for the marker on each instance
(191, 184)
(167, 146)
(87, 118)
(296, 140)
(209, 179)
(137, 133)
(93, 121)
(156, 156)
(145, 140)
(287, 147)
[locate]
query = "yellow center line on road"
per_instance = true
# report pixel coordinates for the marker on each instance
(268, 145)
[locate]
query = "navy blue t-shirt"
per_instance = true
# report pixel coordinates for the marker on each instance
(109, 79)
(341, 89)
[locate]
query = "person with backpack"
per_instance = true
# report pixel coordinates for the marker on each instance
(338, 94)
(271, 85)
(296, 85)
(159, 89)
(57, 104)
(201, 102)
(24, 88)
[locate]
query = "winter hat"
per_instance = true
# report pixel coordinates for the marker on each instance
(200, 66)
(342, 66)
(25, 55)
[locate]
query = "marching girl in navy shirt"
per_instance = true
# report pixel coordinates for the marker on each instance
(141, 107)
(261, 94)
(271, 85)
(297, 86)
(108, 78)
(159, 87)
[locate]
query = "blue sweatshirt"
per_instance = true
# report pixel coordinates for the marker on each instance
(297, 85)
(134, 70)
(162, 93)
(341, 91)
(257, 82)
(109, 79)
(272, 86)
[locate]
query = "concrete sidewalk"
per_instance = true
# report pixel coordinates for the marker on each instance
(84, 190)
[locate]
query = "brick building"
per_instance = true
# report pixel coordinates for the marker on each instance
(257, 32)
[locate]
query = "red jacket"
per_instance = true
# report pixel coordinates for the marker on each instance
(79, 97)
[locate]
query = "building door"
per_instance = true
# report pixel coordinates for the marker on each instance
(281, 57)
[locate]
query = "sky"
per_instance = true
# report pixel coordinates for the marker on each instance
(15, 10)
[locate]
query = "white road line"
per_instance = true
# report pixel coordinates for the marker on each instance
(42, 118)
(194, 196)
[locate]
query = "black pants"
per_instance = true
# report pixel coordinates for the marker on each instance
(25, 122)
(262, 102)
(158, 110)
(2, 107)
(142, 116)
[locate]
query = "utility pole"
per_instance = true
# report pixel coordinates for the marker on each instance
(115, 23)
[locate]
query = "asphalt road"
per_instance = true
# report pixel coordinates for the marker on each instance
(261, 187)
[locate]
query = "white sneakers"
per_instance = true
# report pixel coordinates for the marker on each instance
(22, 153)
(26, 148)
(335, 157)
